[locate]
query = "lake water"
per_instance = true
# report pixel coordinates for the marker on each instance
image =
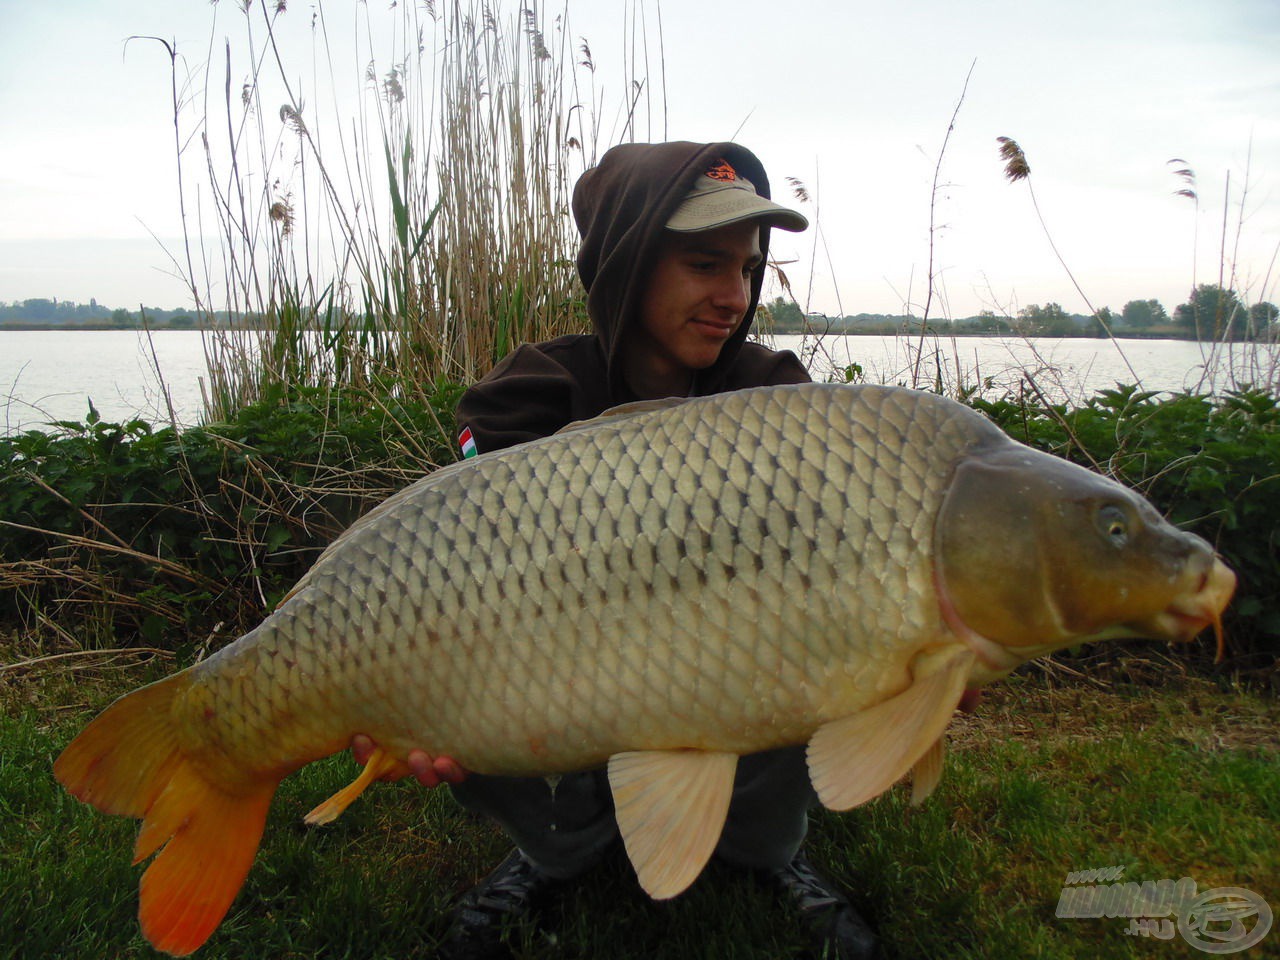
(52, 375)
(1062, 369)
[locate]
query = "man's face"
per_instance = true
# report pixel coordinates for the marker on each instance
(697, 297)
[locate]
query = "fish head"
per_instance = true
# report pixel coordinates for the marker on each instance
(1034, 553)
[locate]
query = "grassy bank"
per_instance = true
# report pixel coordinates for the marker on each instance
(1167, 781)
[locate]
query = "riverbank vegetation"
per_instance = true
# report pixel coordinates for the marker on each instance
(418, 239)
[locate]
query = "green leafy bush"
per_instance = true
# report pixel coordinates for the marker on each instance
(120, 533)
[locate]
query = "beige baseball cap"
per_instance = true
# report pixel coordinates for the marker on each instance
(722, 196)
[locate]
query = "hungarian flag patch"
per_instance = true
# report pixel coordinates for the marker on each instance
(467, 443)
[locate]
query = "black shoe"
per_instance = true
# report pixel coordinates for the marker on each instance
(841, 932)
(502, 900)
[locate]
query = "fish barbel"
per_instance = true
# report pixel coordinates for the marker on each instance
(661, 589)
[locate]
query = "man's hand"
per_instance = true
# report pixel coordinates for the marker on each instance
(969, 700)
(427, 770)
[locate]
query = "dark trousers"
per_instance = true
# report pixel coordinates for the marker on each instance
(565, 825)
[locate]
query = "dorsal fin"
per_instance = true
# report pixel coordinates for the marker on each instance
(622, 411)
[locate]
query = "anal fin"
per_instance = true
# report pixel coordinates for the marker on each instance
(671, 806)
(857, 758)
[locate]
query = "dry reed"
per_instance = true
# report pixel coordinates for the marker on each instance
(413, 230)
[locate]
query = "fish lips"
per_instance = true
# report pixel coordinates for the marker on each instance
(1189, 614)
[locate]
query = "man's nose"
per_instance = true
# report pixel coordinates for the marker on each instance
(733, 293)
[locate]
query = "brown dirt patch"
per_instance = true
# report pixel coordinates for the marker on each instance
(1189, 710)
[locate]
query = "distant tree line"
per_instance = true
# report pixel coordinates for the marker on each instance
(89, 316)
(1211, 313)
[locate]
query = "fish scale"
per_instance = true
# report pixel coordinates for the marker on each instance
(656, 589)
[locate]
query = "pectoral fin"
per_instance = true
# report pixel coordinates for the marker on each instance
(379, 764)
(927, 772)
(671, 806)
(857, 758)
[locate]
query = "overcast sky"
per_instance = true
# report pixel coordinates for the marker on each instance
(851, 97)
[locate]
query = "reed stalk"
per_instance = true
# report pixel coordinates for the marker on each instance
(412, 230)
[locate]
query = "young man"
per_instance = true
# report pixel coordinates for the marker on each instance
(674, 241)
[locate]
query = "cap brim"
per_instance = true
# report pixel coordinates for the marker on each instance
(704, 213)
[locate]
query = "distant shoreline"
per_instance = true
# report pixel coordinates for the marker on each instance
(30, 327)
(1159, 334)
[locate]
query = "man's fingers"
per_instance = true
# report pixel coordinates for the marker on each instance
(969, 701)
(449, 771)
(427, 770)
(423, 768)
(361, 748)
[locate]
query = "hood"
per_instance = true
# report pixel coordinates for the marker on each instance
(621, 207)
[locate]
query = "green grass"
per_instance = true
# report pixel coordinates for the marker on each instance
(1041, 781)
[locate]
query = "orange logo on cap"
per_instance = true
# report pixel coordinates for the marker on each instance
(720, 170)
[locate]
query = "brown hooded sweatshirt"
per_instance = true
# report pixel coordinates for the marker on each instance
(621, 207)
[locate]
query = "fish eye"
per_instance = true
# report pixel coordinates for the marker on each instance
(1113, 524)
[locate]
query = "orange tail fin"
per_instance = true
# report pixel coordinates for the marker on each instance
(129, 761)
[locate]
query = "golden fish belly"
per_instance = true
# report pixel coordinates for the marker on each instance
(683, 580)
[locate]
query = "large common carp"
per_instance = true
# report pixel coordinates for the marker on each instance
(661, 590)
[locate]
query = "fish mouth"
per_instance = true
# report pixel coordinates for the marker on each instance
(1187, 616)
